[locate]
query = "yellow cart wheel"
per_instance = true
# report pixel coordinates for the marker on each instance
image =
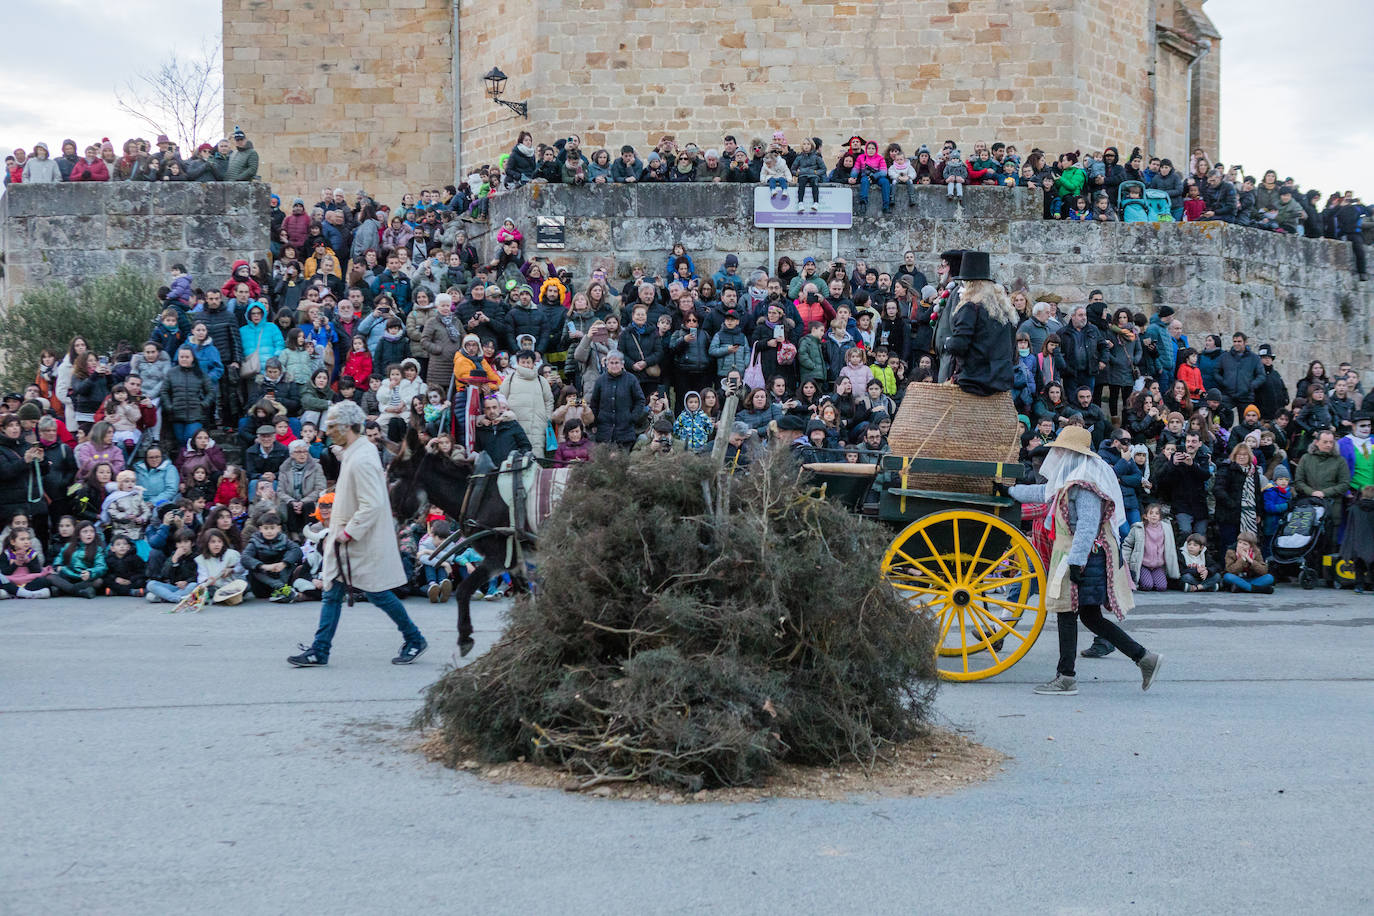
(980, 579)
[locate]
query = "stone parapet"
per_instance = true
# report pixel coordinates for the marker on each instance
(1298, 294)
(66, 233)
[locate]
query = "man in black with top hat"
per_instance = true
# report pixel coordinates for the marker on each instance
(982, 337)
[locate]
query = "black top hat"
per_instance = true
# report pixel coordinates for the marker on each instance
(976, 265)
(955, 257)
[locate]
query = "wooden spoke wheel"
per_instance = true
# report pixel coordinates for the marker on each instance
(982, 582)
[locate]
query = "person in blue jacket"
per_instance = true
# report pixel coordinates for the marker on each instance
(260, 335)
(206, 353)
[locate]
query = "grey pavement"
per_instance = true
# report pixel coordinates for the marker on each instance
(152, 763)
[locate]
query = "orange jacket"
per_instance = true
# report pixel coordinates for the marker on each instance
(464, 367)
(1192, 377)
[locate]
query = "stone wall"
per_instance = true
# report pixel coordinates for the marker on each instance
(361, 92)
(66, 233)
(352, 93)
(1298, 294)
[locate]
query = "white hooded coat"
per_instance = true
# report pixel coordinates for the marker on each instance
(530, 398)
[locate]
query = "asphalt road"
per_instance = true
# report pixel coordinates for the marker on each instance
(152, 764)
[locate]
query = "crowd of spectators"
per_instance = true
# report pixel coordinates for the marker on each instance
(232, 159)
(1097, 186)
(195, 457)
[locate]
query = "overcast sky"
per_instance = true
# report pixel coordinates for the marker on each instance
(1295, 80)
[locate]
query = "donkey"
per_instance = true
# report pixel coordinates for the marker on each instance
(419, 475)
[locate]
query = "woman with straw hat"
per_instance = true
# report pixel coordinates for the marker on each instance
(1085, 513)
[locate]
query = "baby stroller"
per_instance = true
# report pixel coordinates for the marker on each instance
(1133, 209)
(1298, 540)
(1159, 207)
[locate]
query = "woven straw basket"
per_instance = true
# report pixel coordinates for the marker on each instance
(940, 421)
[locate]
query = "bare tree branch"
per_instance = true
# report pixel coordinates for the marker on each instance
(182, 97)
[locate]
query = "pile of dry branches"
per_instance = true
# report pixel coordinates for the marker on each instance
(693, 629)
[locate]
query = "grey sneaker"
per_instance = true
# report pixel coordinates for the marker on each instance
(1061, 686)
(1149, 667)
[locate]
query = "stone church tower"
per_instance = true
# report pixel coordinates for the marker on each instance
(370, 93)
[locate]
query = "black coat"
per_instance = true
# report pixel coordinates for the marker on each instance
(647, 346)
(88, 393)
(283, 390)
(985, 349)
(186, 395)
(130, 567)
(519, 167)
(257, 464)
(500, 440)
(521, 321)
(1271, 395)
(1227, 488)
(224, 331)
(1186, 486)
(17, 479)
(1359, 532)
(618, 404)
(553, 337)
(895, 334)
(259, 550)
(1082, 350)
(59, 470)
(495, 329)
(922, 334)
(1238, 375)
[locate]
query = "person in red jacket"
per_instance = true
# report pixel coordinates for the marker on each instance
(91, 168)
(242, 273)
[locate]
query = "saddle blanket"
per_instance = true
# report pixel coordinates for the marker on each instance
(543, 488)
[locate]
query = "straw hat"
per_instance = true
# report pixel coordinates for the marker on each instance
(230, 593)
(1075, 439)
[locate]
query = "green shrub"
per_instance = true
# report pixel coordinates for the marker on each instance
(104, 310)
(693, 641)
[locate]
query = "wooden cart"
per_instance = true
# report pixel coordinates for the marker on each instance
(959, 553)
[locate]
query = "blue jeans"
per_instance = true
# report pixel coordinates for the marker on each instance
(169, 592)
(884, 184)
(1246, 584)
(183, 432)
(387, 602)
(777, 184)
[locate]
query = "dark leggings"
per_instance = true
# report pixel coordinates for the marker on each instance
(1113, 397)
(1364, 574)
(60, 583)
(1091, 615)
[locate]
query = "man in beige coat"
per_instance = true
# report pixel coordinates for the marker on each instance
(360, 551)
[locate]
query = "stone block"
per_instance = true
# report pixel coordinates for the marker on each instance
(149, 261)
(978, 234)
(143, 232)
(128, 199)
(178, 197)
(55, 233)
(80, 199)
(215, 231)
(212, 265)
(681, 199)
(584, 234)
(77, 264)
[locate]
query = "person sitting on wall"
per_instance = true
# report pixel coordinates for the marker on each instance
(982, 335)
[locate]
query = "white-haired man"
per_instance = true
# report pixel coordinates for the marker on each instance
(360, 551)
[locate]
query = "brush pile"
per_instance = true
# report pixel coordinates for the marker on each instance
(694, 629)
